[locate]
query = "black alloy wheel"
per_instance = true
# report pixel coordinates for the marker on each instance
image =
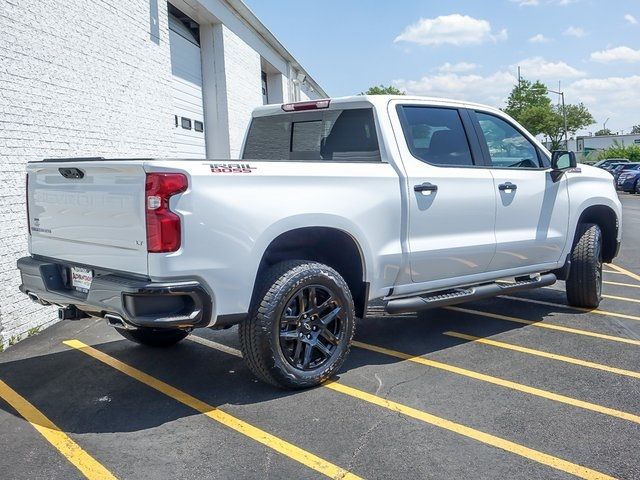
(311, 327)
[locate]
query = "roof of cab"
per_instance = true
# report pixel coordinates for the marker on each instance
(379, 101)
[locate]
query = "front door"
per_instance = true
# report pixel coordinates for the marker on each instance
(452, 200)
(532, 212)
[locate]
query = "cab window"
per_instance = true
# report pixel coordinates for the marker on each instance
(508, 148)
(436, 135)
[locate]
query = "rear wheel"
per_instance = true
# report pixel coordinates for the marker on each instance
(584, 285)
(154, 337)
(301, 325)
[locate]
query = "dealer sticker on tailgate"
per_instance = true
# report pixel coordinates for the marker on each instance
(81, 278)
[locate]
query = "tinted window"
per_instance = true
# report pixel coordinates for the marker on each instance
(348, 135)
(507, 146)
(436, 135)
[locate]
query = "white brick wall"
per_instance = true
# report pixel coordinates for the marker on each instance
(84, 78)
(244, 86)
(77, 78)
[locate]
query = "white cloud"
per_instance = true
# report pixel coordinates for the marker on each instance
(539, 38)
(535, 68)
(492, 89)
(452, 29)
(527, 3)
(617, 54)
(613, 97)
(631, 19)
(575, 32)
(459, 67)
(535, 3)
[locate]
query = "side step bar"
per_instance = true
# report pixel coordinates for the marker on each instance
(466, 294)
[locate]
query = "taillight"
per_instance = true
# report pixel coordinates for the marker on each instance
(163, 226)
(26, 194)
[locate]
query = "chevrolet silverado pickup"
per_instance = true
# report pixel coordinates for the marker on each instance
(418, 202)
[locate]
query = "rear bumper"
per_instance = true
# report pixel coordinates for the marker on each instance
(125, 301)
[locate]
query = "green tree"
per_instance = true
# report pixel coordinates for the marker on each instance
(530, 105)
(603, 131)
(635, 129)
(383, 90)
(578, 117)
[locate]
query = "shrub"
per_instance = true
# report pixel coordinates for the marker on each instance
(631, 152)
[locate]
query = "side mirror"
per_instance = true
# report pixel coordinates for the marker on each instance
(563, 160)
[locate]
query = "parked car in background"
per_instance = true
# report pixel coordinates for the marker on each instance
(619, 169)
(629, 180)
(612, 166)
(609, 161)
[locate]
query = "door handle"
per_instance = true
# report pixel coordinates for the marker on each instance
(507, 186)
(426, 188)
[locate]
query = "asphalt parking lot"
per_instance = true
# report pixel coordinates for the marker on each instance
(516, 387)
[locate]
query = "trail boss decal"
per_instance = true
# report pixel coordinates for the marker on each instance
(231, 167)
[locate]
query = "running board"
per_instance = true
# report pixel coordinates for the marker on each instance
(466, 294)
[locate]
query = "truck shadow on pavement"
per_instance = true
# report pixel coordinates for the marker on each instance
(83, 395)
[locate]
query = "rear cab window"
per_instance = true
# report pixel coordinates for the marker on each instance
(436, 135)
(331, 135)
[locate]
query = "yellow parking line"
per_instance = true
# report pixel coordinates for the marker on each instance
(281, 446)
(624, 271)
(502, 382)
(624, 299)
(494, 441)
(612, 271)
(84, 462)
(488, 439)
(560, 305)
(540, 353)
(546, 325)
(621, 284)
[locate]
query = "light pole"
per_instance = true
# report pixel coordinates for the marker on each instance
(564, 116)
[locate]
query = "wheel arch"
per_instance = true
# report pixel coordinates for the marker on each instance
(605, 217)
(328, 245)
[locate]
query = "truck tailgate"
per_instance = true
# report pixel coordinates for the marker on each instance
(89, 212)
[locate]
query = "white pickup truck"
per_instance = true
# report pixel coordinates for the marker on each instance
(416, 201)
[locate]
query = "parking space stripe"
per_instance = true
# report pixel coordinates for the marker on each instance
(281, 446)
(580, 309)
(619, 284)
(84, 462)
(624, 299)
(612, 271)
(492, 440)
(549, 326)
(624, 271)
(540, 353)
(502, 382)
(486, 438)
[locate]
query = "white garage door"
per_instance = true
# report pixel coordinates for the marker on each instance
(186, 90)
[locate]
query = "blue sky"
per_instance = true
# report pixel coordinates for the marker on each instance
(469, 49)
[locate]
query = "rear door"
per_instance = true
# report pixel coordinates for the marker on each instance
(532, 211)
(89, 213)
(451, 196)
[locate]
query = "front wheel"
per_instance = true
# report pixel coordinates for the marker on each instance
(154, 337)
(584, 285)
(301, 325)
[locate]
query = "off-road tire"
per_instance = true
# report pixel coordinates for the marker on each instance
(154, 337)
(260, 332)
(584, 285)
